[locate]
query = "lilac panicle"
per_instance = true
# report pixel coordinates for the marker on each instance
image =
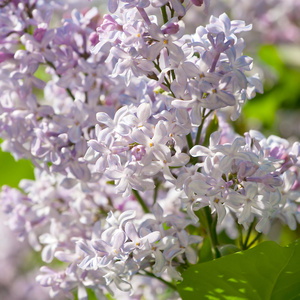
(115, 111)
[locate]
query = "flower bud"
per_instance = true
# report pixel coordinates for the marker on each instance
(171, 29)
(5, 55)
(39, 33)
(138, 152)
(94, 38)
(109, 24)
(197, 2)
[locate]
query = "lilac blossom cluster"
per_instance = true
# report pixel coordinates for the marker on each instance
(278, 19)
(116, 113)
(274, 21)
(16, 284)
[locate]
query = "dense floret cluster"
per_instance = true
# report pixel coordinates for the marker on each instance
(125, 119)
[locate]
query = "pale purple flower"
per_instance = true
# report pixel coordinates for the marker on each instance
(164, 41)
(246, 199)
(176, 5)
(130, 64)
(137, 241)
(129, 177)
(110, 250)
(230, 28)
(155, 146)
(116, 124)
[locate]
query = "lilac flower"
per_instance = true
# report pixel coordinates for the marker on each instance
(230, 28)
(236, 68)
(138, 241)
(113, 5)
(130, 64)
(136, 3)
(164, 41)
(154, 146)
(121, 220)
(39, 42)
(247, 198)
(91, 259)
(176, 5)
(134, 35)
(112, 275)
(100, 151)
(129, 177)
(219, 45)
(28, 79)
(111, 249)
(109, 33)
(117, 123)
(233, 151)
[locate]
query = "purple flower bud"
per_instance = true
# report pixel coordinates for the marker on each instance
(39, 33)
(279, 152)
(94, 38)
(171, 29)
(138, 152)
(246, 168)
(4, 56)
(109, 24)
(269, 180)
(197, 2)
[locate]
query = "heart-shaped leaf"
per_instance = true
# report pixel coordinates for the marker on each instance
(265, 272)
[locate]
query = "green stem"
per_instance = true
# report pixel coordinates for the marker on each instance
(157, 66)
(254, 240)
(248, 235)
(49, 63)
(199, 132)
(201, 126)
(156, 191)
(173, 75)
(240, 235)
(172, 12)
(141, 201)
(70, 93)
(211, 224)
(164, 14)
(189, 140)
(169, 284)
(168, 85)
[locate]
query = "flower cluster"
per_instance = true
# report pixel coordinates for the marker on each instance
(252, 177)
(270, 16)
(123, 116)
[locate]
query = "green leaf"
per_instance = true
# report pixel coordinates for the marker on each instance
(212, 127)
(229, 249)
(265, 272)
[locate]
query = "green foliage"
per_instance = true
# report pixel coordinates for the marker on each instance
(212, 127)
(284, 94)
(229, 249)
(13, 171)
(265, 272)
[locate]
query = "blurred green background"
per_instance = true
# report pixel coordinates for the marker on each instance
(277, 110)
(13, 171)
